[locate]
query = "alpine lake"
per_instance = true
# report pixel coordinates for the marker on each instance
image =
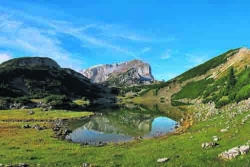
(122, 124)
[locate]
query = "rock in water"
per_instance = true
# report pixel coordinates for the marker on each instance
(161, 160)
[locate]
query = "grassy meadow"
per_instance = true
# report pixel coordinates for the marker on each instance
(38, 148)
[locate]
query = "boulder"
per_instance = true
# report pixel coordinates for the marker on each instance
(56, 129)
(31, 112)
(38, 127)
(67, 132)
(8, 165)
(26, 126)
(234, 152)
(215, 138)
(244, 149)
(85, 165)
(161, 160)
(22, 165)
(138, 138)
(223, 130)
(207, 145)
(230, 154)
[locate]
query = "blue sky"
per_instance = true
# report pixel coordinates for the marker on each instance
(172, 36)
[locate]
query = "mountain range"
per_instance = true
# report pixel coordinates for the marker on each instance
(208, 82)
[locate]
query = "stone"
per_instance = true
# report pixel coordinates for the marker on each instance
(244, 149)
(234, 152)
(31, 112)
(230, 154)
(26, 126)
(223, 130)
(207, 145)
(138, 138)
(67, 131)
(100, 144)
(215, 138)
(22, 165)
(55, 129)
(38, 127)
(85, 165)
(162, 160)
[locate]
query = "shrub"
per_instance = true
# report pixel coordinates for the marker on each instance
(244, 93)
(193, 89)
(223, 101)
(59, 101)
(22, 100)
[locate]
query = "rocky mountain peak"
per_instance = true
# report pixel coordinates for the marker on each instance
(102, 73)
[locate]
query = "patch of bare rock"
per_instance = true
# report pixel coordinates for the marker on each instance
(207, 145)
(162, 160)
(234, 152)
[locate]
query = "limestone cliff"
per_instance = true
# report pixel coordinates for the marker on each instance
(132, 72)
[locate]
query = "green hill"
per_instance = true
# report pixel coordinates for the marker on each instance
(35, 77)
(208, 82)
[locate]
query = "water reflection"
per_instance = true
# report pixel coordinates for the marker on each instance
(120, 125)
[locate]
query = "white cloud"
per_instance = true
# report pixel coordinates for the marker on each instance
(40, 36)
(44, 41)
(146, 49)
(34, 41)
(4, 57)
(130, 36)
(166, 54)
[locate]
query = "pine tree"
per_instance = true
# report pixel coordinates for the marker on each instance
(231, 79)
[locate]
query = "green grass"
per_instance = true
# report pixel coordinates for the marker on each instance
(193, 90)
(81, 102)
(39, 115)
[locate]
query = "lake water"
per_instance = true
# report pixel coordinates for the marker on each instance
(120, 126)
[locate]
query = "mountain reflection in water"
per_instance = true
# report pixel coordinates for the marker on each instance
(120, 125)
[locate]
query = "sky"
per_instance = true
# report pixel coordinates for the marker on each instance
(172, 36)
